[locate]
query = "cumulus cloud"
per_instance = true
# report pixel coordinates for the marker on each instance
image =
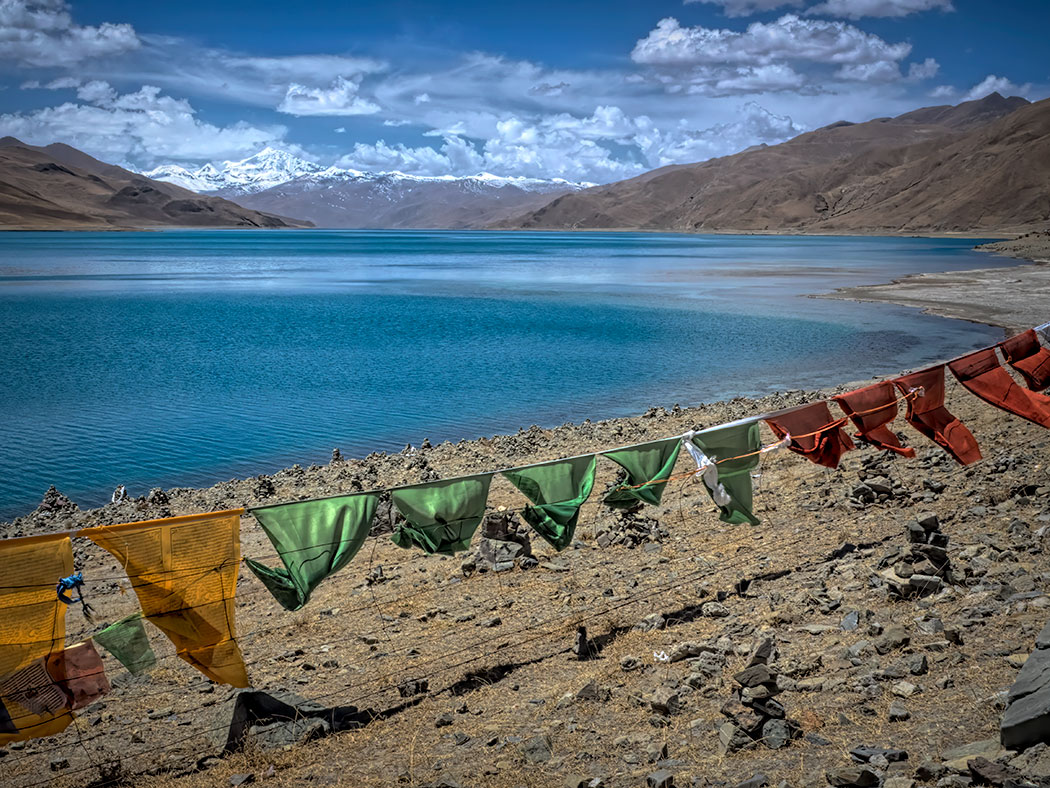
(789, 38)
(607, 145)
(145, 126)
(42, 33)
(339, 98)
(927, 69)
(994, 84)
(855, 9)
(748, 7)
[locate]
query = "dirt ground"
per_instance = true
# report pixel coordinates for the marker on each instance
(506, 701)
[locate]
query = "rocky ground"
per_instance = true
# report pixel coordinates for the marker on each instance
(867, 631)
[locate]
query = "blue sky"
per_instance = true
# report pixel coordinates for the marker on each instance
(587, 91)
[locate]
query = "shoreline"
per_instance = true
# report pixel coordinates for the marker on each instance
(1012, 298)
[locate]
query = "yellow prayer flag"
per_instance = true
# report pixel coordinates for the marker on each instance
(184, 571)
(32, 627)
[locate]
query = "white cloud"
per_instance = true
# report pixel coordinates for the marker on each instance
(339, 98)
(789, 38)
(748, 7)
(927, 69)
(943, 91)
(145, 126)
(994, 84)
(607, 145)
(855, 9)
(42, 33)
(882, 71)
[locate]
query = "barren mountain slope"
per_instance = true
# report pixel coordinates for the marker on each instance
(799, 185)
(60, 188)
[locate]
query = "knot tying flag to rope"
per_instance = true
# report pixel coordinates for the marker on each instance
(75, 582)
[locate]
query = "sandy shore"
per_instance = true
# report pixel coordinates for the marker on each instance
(1013, 298)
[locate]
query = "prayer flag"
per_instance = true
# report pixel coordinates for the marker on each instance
(1024, 353)
(872, 409)
(314, 539)
(184, 572)
(441, 516)
(735, 450)
(127, 641)
(814, 433)
(648, 464)
(557, 491)
(927, 414)
(32, 626)
(983, 375)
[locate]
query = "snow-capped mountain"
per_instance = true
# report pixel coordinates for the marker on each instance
(275, 180)
(269, 167)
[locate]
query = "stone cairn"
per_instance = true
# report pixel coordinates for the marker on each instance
(504, 543)
(630, 528)
(754, 715)
(925, 567)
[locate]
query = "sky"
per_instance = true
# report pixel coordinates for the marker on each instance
(587, 91)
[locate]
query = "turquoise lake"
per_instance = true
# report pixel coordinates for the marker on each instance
(185, 358)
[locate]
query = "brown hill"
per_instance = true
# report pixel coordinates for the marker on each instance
(61, 188)
(979, 166)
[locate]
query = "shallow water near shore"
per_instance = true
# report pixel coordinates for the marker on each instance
(184, 358)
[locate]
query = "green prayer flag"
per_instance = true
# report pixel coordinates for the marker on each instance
(127, 641)
(442, 516)
(734, 475)
(644, 463)
(314, 539)
(558, 490)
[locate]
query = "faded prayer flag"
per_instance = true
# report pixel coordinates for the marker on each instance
(32, 626)
(184, 572)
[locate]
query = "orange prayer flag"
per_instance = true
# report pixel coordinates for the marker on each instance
(184, 572)
(32, 626)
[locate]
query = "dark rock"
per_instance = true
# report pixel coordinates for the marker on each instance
(776, 734)
(893, 638)
(1026, 720)
(851, 621)
(58, 764)
(985, 772)
(443, 721)
(665, 701)
(660, 779)
(761, 654)
(864, 754)
(537, 749)
(731, 738)
(241, 779)
(755, 676)
(898, 712)
(411, 687)
(755, 781)
(852, 777)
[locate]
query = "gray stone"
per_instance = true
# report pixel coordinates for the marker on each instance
(852, 777)
(957, 757)
(754, 781)
(651, 622)
(851, 621)
(537, 749)
(779, 733)
(918, 665)
(898, 712)
(893, 638)
(714, 610)
(731, 738)
(864, 754)
(665, 701)
(755, 676)
(688, 650)
(629, 662)
(660, 779)
(241, 779)
(58, 764)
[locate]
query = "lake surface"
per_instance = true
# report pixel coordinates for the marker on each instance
(184, 358)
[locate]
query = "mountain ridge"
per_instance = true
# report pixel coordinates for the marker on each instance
(56, 187)
(844, 177)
